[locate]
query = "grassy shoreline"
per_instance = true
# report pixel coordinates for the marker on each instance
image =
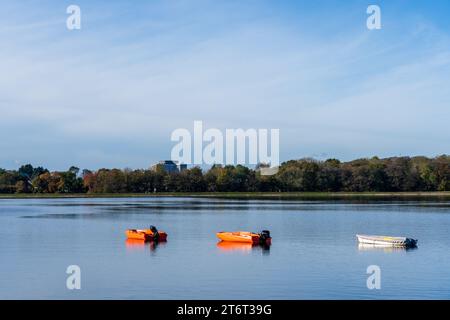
(245, 195)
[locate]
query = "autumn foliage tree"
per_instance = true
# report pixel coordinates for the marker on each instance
(305, 175)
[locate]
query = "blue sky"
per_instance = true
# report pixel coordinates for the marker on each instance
(110, 94)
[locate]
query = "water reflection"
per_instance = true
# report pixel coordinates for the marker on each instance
(138, 245)
(229, 246)
(134, 244)
(384, 248)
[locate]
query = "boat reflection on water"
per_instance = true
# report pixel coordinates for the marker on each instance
(384, 248)
(243, 247)
(228, 246)
(134, 244)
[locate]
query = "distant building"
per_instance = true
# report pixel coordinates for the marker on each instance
(170, 166)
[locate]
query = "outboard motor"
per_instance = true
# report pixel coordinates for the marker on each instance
(264, 237)
(155, 233)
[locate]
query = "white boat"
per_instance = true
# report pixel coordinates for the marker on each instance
(385, 248)
(387, 241)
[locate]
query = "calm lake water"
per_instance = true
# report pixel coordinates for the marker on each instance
(314, 254)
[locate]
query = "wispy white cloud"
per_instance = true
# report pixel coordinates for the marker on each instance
(111, 93)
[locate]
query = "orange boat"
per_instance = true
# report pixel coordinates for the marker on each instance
(151, 234)
(246, 237)
(239, 236)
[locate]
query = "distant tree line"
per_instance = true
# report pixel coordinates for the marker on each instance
(374, 174)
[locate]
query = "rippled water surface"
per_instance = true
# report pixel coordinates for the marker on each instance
(314, 254)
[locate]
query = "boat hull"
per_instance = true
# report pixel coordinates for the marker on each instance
(239, 236)
(386, 241)
(145, 235)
